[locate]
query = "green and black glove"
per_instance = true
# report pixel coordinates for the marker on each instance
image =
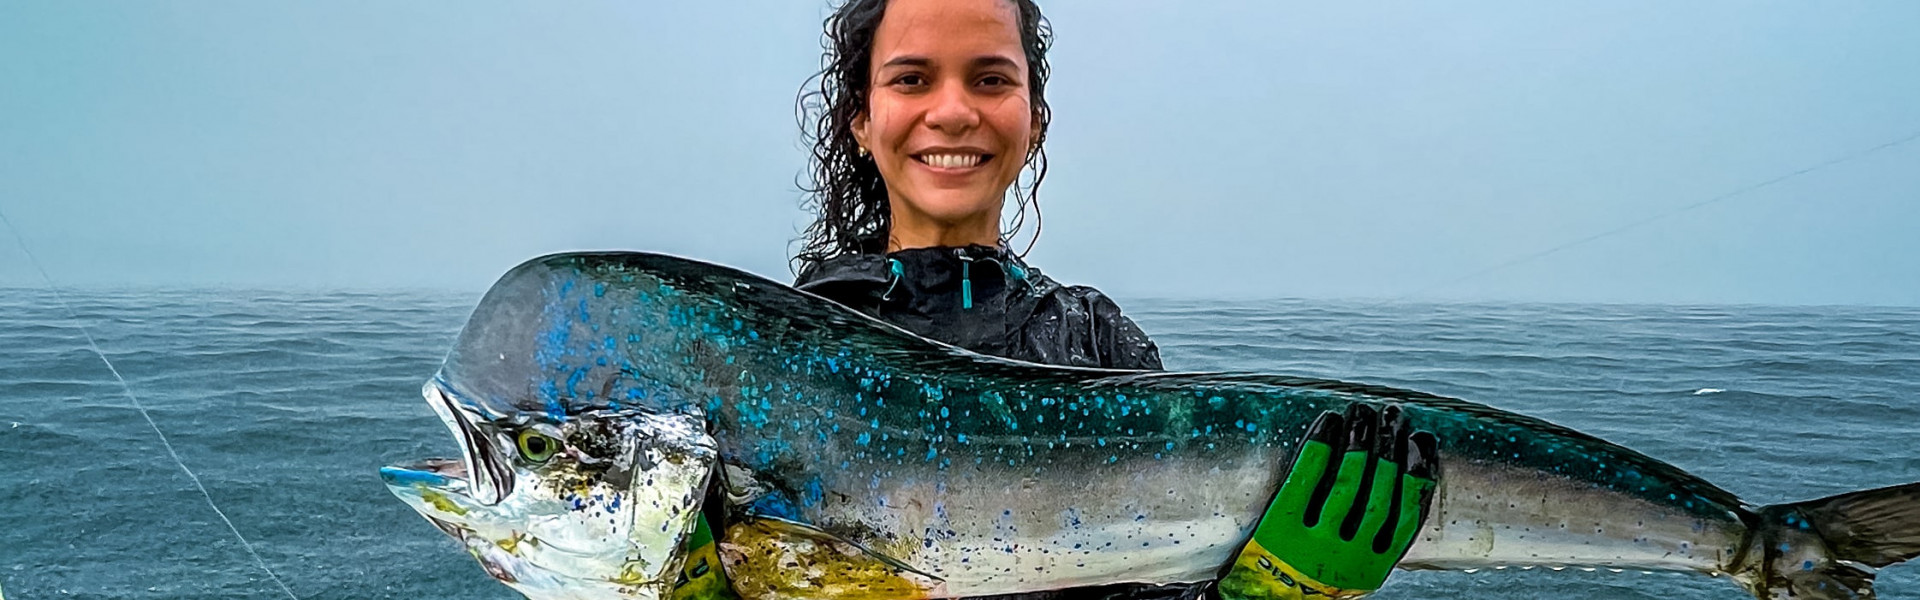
(1358, 492)
(702, 576)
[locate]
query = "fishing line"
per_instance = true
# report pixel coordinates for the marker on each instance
(1635, 224)
(1353, 357)
(95, 346)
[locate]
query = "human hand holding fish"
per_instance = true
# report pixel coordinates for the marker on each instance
(1343, 519)
(841, 457)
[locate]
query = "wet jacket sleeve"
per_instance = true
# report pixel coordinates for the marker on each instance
(1127, 347)
(1079, 326)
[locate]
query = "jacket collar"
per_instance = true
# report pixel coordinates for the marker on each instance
(969, 275)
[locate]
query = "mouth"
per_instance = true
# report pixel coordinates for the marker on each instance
(477, 474)
(431, 481)
(443, 473)
(952, 160)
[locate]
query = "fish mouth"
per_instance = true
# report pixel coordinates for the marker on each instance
(479, 473)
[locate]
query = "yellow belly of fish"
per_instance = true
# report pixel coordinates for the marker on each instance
(768, 559)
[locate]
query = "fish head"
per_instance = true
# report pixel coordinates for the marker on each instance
(595, 505)
(579, 392)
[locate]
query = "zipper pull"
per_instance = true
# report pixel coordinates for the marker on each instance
(897, 271)
(966, 283)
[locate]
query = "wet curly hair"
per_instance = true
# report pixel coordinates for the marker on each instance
(846, 193)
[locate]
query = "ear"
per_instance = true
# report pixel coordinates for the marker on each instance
(859, 128)
(1038, 132)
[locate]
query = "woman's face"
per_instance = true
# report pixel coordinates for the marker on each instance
(948, 120)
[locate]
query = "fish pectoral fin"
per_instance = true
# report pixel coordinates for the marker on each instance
(794, 529)
(768, 557)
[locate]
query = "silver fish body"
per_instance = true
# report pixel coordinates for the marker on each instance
(850, 459)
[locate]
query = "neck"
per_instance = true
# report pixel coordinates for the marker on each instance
(911, 229)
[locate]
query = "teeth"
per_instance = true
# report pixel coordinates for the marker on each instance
(951, 161)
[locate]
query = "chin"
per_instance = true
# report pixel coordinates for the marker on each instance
(954, 207)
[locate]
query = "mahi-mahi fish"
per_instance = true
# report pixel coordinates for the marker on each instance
(605, 401)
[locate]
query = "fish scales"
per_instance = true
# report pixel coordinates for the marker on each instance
(853, 459)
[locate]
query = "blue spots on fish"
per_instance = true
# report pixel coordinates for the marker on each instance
(777, 505)
(550, 400)
(573, 381)
(865, 439)
(1794, 520)
(813, 492)
(553, 342)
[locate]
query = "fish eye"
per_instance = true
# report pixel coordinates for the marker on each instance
(536, 447)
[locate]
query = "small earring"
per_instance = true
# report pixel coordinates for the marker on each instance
(863, 151)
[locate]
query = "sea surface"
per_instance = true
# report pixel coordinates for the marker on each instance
(286, 403)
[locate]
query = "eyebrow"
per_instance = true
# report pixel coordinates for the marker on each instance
(922, 61)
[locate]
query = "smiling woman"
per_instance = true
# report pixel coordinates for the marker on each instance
(948, 117)
(925, 115)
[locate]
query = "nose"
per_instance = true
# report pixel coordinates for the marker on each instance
(953, 111)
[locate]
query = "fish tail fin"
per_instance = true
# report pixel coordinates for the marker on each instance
(1830, 548)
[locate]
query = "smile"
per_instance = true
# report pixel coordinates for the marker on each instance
(952, 160)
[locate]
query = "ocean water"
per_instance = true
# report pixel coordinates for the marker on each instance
(286, 404)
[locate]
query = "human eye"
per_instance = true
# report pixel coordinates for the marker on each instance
(995, 81)
(909, 79)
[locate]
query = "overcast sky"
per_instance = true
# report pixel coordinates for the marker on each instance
(1200, 149)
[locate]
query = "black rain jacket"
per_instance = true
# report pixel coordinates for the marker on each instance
(987, 300)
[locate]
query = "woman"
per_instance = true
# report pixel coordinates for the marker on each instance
(922, 127)
(925, 116)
